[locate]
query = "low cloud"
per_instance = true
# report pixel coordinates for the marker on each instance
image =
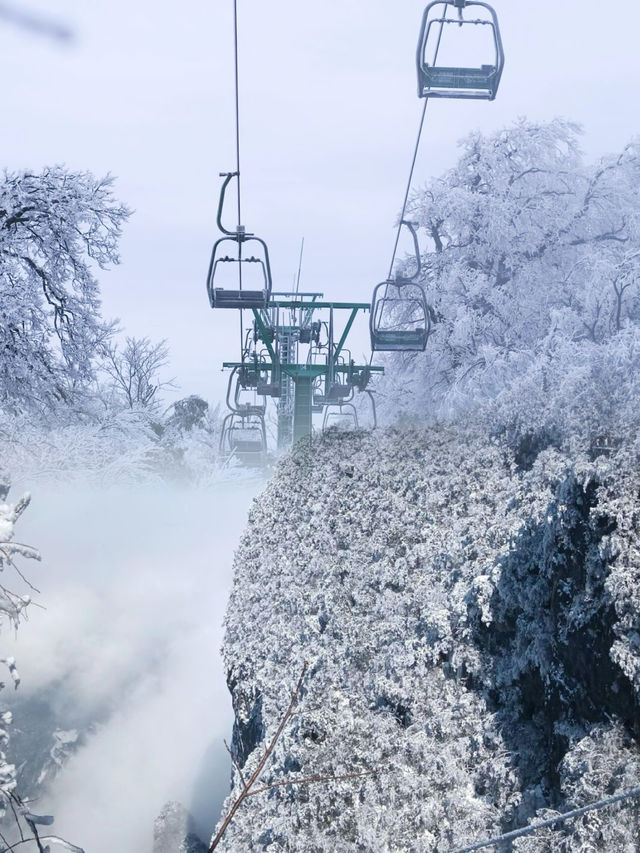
(135, 582)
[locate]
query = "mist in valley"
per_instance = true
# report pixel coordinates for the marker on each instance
(135, 582)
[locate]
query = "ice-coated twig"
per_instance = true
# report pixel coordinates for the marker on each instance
(235, 763)
(256, 774)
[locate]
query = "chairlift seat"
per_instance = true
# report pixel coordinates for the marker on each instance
(340, 416)
(399, 340)
(471, 83)
(223, 298)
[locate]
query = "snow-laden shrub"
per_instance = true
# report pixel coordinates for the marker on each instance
(118, 447)
(107, 446)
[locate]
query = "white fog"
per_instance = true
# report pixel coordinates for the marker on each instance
(135, 582)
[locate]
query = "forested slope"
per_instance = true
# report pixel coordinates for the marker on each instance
(470, 618)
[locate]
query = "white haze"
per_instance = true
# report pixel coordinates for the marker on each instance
(135, 582)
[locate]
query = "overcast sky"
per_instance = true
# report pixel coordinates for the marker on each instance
(329, 117)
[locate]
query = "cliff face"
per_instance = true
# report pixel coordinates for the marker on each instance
(472, 634)
(173, 832)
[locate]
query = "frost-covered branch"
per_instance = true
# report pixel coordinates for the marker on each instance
(244, 793)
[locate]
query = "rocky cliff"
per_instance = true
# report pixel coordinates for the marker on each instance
(470, 618)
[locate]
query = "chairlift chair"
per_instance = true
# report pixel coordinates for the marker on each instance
(400, 319)
(241, 380)
(241, 297)
(437, 81)
(340, 415)
(247, 250)
(244, 437)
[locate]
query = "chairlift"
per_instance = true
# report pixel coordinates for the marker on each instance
(340, 415)
(244, 437)
(400, 318)
(265, 378)
(437, 81)
(248, 252)
(241, 380)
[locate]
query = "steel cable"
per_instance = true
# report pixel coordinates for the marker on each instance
(414, 159)
(410, 181)
(530, 830)
(237, 109)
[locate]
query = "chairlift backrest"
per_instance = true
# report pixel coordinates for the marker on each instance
(438, 81)
(244, 437)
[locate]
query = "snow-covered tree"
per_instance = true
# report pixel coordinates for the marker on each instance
(134, 371)
(532, 272)
(56, 228)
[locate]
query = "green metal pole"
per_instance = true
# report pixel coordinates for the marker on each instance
(302, 415)
(342, 340)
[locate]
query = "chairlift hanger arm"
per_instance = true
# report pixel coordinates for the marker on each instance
(411, 227)
(228, 177)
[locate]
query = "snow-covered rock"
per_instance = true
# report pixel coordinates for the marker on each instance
(471, 630)
(173, 833)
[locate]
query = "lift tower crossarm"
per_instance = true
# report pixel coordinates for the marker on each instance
(296, 370)
(298, 303)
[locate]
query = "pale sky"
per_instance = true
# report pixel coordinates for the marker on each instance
(329, 118)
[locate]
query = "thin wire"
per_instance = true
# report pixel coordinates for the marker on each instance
(237, 94)
(413, 161)
(529, 830)
(237, 87)
(408, 189)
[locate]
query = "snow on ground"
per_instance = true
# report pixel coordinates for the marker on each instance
(135, 581)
